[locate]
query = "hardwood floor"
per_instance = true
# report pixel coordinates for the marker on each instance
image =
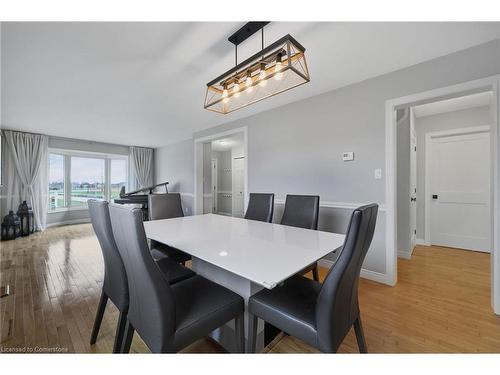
(440, 304)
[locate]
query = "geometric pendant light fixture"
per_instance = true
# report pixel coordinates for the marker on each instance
(276, 68)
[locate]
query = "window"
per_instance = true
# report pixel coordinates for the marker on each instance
(87, 180)
(118, 176)
(56, 182)
(75, 177)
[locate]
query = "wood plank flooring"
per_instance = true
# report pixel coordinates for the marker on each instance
(440, 304)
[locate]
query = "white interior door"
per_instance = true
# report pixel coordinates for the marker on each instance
(238, 186)
(413, 189)
(215, 188)
(460, 188)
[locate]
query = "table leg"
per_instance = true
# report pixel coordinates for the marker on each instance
(244, 287)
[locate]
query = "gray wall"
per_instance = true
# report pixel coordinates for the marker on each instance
(80, 145)
(444, 121)
(297, 148)
(175, 165)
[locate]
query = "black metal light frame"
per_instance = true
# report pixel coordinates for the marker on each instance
(251, 64)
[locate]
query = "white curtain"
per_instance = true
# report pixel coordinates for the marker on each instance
(26, 167)
(141, 163)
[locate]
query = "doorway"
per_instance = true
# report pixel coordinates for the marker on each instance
(455, 196)
(221, 173)
(444, 174)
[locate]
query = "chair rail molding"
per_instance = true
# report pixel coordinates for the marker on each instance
(332, 204)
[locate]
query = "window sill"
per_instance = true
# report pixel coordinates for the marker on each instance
(66, 209)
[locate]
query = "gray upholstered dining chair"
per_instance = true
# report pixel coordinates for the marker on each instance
(260, 207)
(302, 211)
(168, 317)
(321, 314)
(166, 206)
(115, 285)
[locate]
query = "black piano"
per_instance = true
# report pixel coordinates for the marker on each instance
(135, 197)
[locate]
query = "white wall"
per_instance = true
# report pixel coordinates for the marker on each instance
(445, 121)
(297, 148)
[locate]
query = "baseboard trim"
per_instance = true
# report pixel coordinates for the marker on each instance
(404, 254)
(376, 276)
(366, 274)
(69, 222)
(325, 263)
(422, 242)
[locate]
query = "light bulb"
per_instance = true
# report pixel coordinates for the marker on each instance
(262, 77)
(277, 70)
(248, 83)
(225, 99)
(236, 90)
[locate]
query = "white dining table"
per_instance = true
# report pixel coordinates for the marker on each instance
(243, 255)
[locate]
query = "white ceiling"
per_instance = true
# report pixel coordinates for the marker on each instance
(144, 83)
(454, 104)
(228, 143)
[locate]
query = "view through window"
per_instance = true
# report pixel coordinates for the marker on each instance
(87, 180)
(74, 178)
(118, 176)
(56, 181)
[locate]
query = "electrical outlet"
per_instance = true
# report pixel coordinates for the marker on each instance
(378, 174)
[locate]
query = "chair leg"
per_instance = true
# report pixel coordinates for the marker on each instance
(120, 330)
(315, 272)
(98, 317)
(360, 336)
(252, 333)
(128, 334)
(239, 330)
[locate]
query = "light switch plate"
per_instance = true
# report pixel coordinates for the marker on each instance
(378, 174)
(348, 156)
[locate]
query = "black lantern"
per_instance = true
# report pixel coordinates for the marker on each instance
(11, 226)
(26, 218)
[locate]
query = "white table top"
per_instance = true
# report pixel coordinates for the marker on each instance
(263, 253)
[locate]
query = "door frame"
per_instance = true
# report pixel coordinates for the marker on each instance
(491, 83)
(232, 184)
(215, 185)
(413, 190)
(428, 139)
(198, 165)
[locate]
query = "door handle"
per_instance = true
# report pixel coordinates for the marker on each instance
(413, 199)
(434, 196)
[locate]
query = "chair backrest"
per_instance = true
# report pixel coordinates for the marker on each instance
(164, 206)
(337, 305)
(260, 207)
(152, 308)
(301, 211)
(115, 283)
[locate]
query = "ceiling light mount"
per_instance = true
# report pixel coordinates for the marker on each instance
(283, 60)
